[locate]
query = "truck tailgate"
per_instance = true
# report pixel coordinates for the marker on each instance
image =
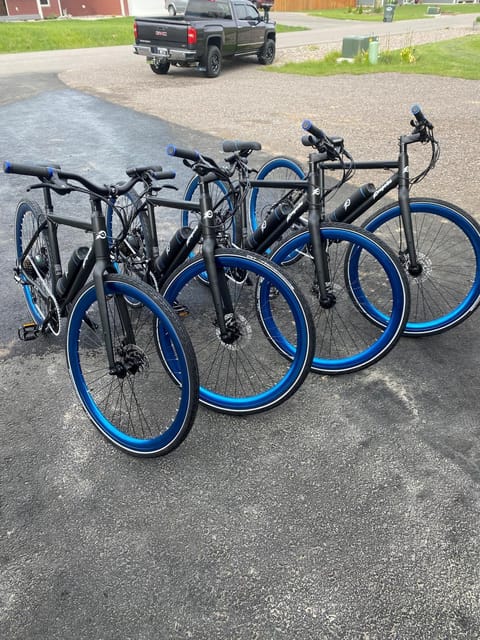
(162, 32)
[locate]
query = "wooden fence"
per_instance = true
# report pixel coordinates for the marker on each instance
(311, 5)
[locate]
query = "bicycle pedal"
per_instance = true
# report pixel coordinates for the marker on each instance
(28, 331)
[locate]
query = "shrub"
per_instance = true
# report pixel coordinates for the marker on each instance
(332, 56)
(407, 55)
(386, 57)
(361, 57)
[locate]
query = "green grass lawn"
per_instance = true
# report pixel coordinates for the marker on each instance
(403, 12)
(455, 58)
(43, 35)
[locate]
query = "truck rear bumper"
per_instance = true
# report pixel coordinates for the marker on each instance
(159, 53)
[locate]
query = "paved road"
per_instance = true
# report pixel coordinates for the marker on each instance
(322, 30)
(351, 512)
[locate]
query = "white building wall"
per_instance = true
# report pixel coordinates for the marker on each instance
(146, 7)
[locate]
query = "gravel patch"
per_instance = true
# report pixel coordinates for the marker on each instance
(249, 102)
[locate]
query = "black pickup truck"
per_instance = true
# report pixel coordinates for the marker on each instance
(209, 31)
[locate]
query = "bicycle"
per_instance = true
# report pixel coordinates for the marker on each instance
(437, 242)
(120, 356)
(243, 368)
(346, 340)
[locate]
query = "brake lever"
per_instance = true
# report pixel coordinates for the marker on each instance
(157, 188)
(35, 186)
(62, 189)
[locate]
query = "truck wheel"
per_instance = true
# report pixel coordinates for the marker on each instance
(213, 62)
(171, 10)
(160, 68)
(266, 54)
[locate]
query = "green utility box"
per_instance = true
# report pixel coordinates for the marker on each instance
(352, 45)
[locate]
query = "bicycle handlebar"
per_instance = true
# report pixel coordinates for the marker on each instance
(307, 125)
(155, 171)
(308, 140)
(38, 171)
(419, 116)
(331, 147)
(186, 154)
(231, 146)
(53, 175)
(202, 165)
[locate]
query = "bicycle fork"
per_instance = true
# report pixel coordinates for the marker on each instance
(414, 266)
(221, 297)
(102, 266)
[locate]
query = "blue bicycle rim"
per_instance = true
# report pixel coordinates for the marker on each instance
(34, 312)
(135, 445)
(283, 386)
(471, 299)
(391, 323)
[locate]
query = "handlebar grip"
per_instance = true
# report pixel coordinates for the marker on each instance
(230, 146)
(187, 154)
(164, 175)
(135, 171)
(308, 140)
(28, 169)
(307, 125)
(418, 114)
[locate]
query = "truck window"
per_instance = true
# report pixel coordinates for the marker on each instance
(246, 12)
(209, 9)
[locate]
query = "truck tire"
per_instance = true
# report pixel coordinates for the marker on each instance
(160, 68)
(213, 62)
(266, 55)
(171, 10)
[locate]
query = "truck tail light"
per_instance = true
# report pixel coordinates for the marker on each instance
(191, 35)
(135, 30)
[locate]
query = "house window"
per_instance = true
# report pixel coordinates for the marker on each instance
(45, 3)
